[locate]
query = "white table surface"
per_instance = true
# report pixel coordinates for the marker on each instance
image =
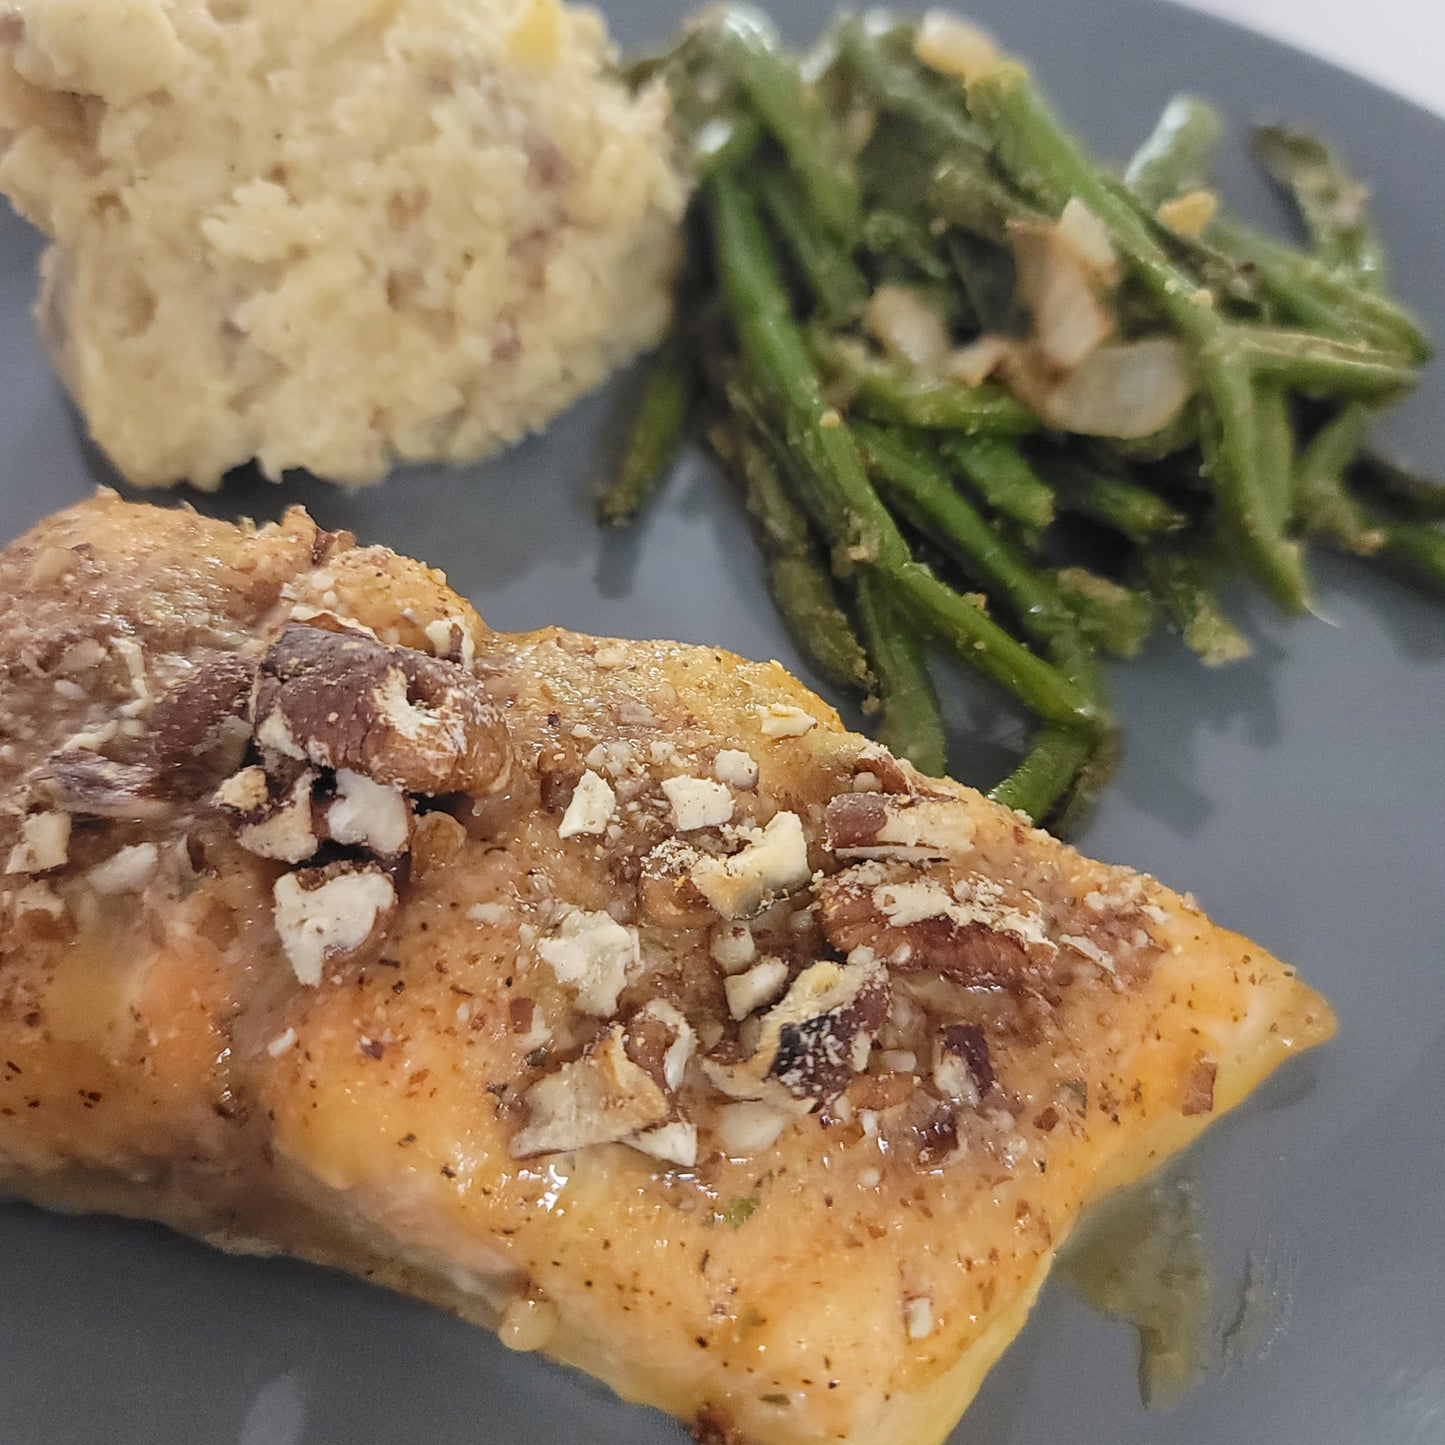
(1397, 43)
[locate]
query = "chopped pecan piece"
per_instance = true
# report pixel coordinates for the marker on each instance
(400, 717)
(272, 810)
(816, 1039)
(592, 954)
(364, 814)
(601, 1098)
(906, 828)
(773, 862)
(200, 728)
(876, 770)
(328, 915)
(43, 844)
(924, 921)
(963, 1067)
(665, 889)
(85, 782)
(660, 1040)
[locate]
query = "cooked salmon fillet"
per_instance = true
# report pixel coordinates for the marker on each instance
(608, 993)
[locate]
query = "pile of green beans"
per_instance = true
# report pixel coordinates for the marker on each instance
(902, 510)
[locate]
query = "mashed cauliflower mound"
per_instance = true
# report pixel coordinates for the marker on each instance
(331, 233)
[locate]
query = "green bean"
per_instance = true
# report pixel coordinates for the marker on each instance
(1314, 295)
(969, 196)
(781, 523)
(1178, 154)
(809, 608)
(838, 286)
(1275, 436)
(1332, 203)
(724, 142)
(856, 521)
(797, 578)
(902, 89)
(1325, 508)
(921, 488)
(998, 472)
(895, 391)
(1230, 440)
(1115, 618)
(889, 234)
(1181, 584)
(1049, 769)
(910, 723)
(963, 626)
(1415, 498)
(1320, 365)
(653, 440)
(1047, 162)
(1107, 497)
(1412, 550)
(749, 49)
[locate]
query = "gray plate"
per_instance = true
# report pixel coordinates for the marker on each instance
(1300, 796)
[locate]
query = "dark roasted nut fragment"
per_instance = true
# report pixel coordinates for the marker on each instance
(963, 1067)
(930, 1130)
(920, 920)
(875, 769)
(199, 729)
(907, 828)
(391, 713)
(330, 915)
(601, 1098)
(272, 810)
(85, 782)
(816, 1039)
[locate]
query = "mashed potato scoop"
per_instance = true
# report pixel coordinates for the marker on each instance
(332, 236)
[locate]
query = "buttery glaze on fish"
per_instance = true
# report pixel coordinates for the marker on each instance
(608, 993)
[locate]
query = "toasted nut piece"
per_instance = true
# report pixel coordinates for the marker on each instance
(44, 843)
(660, 1040)
(83, 782)
(591, 953)
(666, 891)
(1199, 1087)
(391, 713)
(962, 1067)
(748, 1127)
(698, 803)
(365, 814)
(773, 862)
(127, 870)
(601, 1098)
(591, 809)
(736, 768)
(925, 922)
(273, 810)
(327, 915)
(887, 825)
(674, 1142)
(201, 726)
(761, 984)
(812, 1043)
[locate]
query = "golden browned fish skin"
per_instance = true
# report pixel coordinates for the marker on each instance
(609, 993)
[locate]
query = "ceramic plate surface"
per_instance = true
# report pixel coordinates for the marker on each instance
(1300, 796)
